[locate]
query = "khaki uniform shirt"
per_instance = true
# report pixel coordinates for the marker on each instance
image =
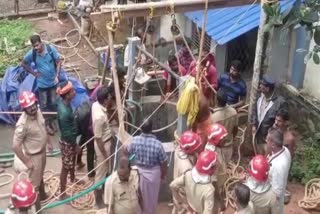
(31, 133)
(226, 116)
(100, 122)
(181, 165)
(248, 210)
(200, 196)
(264, 203)
(123, 196)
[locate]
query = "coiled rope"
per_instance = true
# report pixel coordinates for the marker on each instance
(311, 199)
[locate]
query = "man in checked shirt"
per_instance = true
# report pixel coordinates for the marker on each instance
(151, 161)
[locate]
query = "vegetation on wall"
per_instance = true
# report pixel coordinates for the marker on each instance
(306, 14)
(13, 36)
(306, 163)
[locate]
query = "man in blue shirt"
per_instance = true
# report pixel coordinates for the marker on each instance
(47, 66)
(233, 85)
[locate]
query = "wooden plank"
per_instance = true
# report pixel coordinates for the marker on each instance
(159, 9)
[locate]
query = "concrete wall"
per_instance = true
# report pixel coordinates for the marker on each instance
(221, 58)
(312, 77)
(279, 56)
(304, 112)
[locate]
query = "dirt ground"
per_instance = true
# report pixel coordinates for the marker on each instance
(54, 163)
(51, 30)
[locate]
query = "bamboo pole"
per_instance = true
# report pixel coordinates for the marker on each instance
(203, 33)
(123, 135)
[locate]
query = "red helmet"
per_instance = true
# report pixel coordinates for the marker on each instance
(207, 162)
(216, 133)
(259, 168)
(190, 142)
(23, 194)
(27, 99)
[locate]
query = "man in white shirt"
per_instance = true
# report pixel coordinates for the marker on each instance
(280, 161)
(143, 59)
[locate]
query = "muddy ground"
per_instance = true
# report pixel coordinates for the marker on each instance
(51, 30)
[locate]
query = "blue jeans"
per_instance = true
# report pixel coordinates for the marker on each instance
(47, 101)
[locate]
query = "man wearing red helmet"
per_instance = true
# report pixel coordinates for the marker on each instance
(23, 197)
(261, 194)
(30, 140)
(184, 158)
(216, 139)
(197, 184)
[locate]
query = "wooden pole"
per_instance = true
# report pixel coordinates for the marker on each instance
(203, 33)
(257, 67)
(159, 9)
(121, 133)
(106, 62)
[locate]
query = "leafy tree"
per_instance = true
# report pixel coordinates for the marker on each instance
(305, 14)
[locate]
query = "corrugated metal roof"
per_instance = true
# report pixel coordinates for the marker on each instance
(220, 21)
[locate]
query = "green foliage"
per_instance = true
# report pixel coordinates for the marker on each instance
(13, 36)
(306, 14)
(306, 163)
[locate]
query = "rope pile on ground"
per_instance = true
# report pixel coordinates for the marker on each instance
(311, 199)
(235, 173)
(52, 186)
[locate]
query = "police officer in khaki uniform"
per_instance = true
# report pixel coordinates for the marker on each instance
(243, 203)
(122, 191)
(30, 140)
(261, 194)
(197, 185)
(216, 138)
(185, 155)
(227, 116)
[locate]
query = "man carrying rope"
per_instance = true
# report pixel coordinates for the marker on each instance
(185, 156)
(226, 116)
(47, 64)
(122, 190)
(29, 142)
(151, 160)
(197, 185)
(68, 137)
(103, 135)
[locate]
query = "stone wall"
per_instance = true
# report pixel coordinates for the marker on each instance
(304, 111)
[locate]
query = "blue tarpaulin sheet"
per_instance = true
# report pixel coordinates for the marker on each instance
(16, 80)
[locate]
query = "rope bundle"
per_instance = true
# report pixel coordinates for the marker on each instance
(311, 199)
(52, 185)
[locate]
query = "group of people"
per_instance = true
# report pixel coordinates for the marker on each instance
(201, 156)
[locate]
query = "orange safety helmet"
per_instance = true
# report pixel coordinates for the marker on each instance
(207, 162)
(190, 142)
(216, 133)
(259, 168)
(27, 99)
(23, 194)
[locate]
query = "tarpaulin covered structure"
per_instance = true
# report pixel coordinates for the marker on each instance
(16, 80)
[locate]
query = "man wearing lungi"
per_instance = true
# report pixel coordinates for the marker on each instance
(30, 141)
(68, 134)
(151, 161)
